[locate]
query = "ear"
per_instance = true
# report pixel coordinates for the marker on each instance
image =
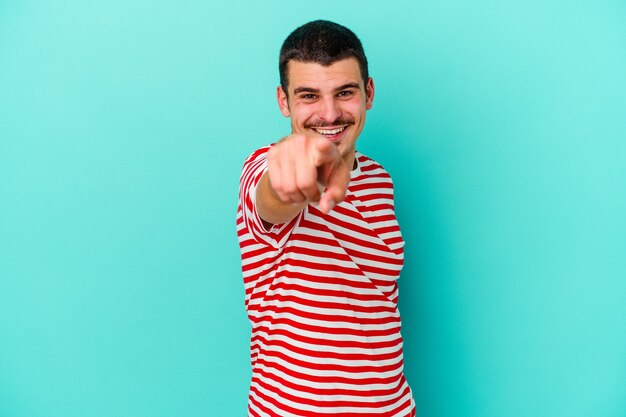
(369, 93)
(283, 103)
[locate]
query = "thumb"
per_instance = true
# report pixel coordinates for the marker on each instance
(324, 151)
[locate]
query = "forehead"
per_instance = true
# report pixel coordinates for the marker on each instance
(314, 75)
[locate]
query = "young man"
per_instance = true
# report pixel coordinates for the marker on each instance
(321, 247)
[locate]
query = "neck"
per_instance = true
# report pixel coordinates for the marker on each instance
(350, 161)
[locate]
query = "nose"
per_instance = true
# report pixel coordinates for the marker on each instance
(329, 110)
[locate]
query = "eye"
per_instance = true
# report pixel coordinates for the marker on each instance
(344, 93)
(308, 96)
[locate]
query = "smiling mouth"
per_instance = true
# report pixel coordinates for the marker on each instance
(330, 133)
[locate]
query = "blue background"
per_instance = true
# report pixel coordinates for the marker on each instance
(123, 127)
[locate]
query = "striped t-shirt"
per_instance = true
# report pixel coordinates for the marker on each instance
(321, 295)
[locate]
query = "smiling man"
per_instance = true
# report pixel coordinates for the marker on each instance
(320, 244)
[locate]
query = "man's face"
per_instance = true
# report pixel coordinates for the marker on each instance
(328, 100)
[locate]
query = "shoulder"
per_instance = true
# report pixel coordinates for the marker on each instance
(258, 154)
(368, 167)
(256, 161)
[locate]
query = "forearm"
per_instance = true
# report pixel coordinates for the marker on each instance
(269, 206)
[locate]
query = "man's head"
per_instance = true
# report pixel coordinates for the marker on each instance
(321, 42)
(325, 87)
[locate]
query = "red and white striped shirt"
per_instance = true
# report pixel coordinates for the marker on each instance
(321, 295)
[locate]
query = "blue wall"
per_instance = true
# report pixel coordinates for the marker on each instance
(123, 127)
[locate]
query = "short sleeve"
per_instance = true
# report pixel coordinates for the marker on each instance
(253, 169)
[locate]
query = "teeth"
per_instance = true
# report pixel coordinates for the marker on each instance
(329, 131)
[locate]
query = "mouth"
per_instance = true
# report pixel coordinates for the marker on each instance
(333, 134)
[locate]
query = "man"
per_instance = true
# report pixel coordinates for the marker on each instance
(321, 247)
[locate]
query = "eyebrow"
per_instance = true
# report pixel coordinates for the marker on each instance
(305, 90)
(316, 90)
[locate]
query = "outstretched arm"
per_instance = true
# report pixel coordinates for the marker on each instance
(300, 166)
